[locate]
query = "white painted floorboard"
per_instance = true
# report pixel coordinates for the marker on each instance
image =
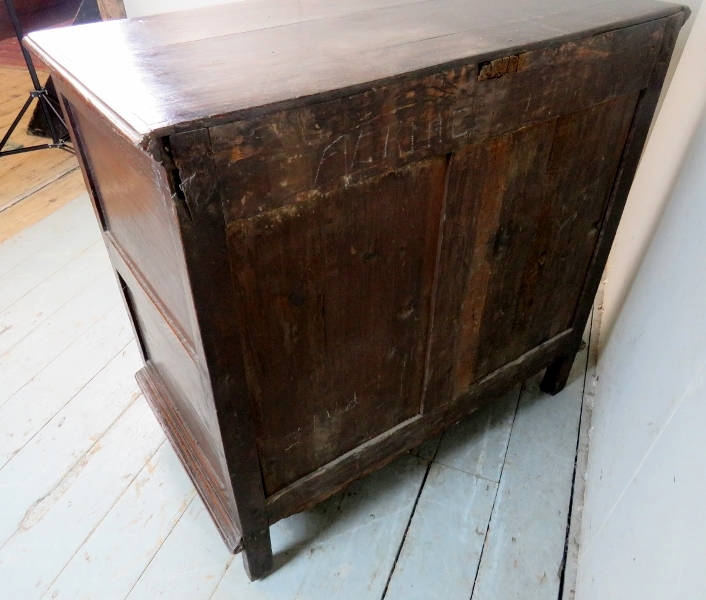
(94, 504)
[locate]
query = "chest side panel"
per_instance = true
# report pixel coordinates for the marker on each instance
(133, 204)
(337, 294)
(135, 207)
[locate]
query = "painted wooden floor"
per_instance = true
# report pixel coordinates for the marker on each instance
(94, 504)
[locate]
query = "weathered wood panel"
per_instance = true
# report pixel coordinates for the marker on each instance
(128, 191)
(270, 161)
(340, 286)
(522, 218)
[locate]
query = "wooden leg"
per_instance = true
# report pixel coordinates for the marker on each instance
(257, 555)
(557, 373)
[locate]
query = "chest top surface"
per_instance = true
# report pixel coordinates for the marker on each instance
(177, 71)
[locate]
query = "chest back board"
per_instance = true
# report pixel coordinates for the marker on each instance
(340, 226)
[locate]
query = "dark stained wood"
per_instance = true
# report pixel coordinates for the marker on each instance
(264, 67)
(133, 203)
(204, 238)
(209, 487)
(339, 227)
(379, 451)
(341, 287)
(285, 155)
(558, 372)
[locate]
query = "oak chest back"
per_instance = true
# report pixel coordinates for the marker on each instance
(340, 226)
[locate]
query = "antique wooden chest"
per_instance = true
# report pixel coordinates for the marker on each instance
(339, 226)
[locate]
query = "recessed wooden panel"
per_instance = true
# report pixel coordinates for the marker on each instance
(177, 370)
(337, 295)
(128, 186)
(522, 218)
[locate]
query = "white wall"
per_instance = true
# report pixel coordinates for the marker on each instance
(141, 8)
(670, 136)
(644, 525)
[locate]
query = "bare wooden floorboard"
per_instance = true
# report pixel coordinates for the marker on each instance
(351, 554)
(190, 563)
(478, 443)
(20, 363)
(41, 204)
(40, 303)
(30, 273)
(440, 555)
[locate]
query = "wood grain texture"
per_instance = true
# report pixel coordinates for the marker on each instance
(203, 231)
(330, 252)
(280, 158)
(208, 484)
(558, 372)
(269, 66)
(342, 287)
(326, 481)
(132, 202)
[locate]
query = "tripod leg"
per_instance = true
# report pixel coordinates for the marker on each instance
(16, 122)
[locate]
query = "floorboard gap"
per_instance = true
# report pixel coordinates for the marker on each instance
(497, 491)
(409, 522)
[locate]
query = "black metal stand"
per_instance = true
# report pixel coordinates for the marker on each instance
(40, 93)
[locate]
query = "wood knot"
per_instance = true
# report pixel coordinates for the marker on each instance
(297, 298)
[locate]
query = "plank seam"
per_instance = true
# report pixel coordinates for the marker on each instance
(97, 525)
(497, 491)
(225, 570)
(66, 473)
(149, 562)
(468, 472)
(36, 189)
(562, 567)
(435, 284)
(409, 522)
(58, 308)
(71, 342)
(112, 358)
(585, 418)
